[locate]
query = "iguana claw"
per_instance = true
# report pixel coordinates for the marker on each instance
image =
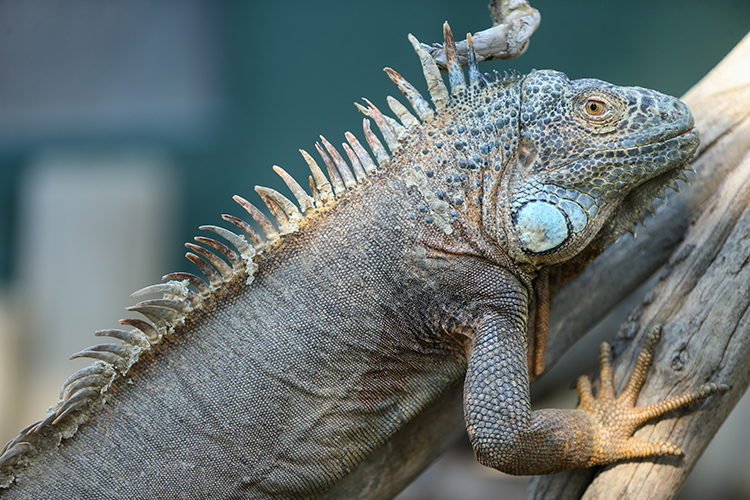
(617, 417)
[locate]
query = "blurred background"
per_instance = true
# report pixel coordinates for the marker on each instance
(126, 125)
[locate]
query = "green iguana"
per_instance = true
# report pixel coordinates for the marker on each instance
(315, 339)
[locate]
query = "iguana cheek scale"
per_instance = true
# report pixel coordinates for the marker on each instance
(315, 337)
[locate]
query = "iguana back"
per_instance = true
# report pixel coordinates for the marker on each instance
(277, 386)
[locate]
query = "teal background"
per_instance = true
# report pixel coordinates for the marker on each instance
(289, 71)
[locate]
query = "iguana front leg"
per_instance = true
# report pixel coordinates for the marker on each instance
(507, 435)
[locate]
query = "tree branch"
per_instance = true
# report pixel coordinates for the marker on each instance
(514, 23)
(720, 103)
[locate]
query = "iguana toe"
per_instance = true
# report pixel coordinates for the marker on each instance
(616, 418)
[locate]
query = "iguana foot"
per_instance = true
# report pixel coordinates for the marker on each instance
(617, 418)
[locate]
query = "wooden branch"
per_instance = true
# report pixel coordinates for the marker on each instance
(514, 23)
(702, 299)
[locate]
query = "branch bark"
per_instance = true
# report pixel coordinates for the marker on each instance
(514, 21)
(720, 103)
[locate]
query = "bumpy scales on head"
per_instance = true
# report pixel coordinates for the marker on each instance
(521, 172)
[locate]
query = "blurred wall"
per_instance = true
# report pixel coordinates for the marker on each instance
(185, 103)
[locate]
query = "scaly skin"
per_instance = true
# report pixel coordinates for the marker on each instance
(275, 381)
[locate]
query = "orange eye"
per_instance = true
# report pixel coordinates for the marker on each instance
(595, 108)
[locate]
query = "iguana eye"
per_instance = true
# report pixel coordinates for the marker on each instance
(595, 107)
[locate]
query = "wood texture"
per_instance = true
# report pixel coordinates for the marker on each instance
(514, 21)
(703, 299)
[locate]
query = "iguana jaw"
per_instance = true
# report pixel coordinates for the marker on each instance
(567, 185)
(679, 139)
(642, 199)
(612, 218)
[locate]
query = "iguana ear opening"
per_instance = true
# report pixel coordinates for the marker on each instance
(526, 152)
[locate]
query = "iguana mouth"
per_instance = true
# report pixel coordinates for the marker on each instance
(685, 153)
(689, 131)
(657, 140)
(621, 154)
(641, 198)
(652, 182)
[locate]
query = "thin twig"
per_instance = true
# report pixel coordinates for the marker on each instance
(514, 23)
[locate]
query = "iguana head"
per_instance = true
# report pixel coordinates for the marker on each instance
(546, 165)
(590, 158)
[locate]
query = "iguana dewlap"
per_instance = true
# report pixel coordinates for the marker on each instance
(310, 344)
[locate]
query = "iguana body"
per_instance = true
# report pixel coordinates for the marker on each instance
(277, 377)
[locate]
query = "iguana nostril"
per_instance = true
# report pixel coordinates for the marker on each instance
(673, 110)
